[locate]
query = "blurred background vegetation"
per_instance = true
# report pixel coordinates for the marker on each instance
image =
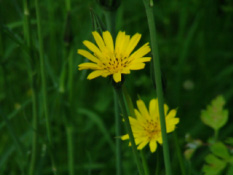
(195, 45)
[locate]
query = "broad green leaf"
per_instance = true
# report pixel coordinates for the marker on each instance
(214, 116)
(220, 150)
(214, 165)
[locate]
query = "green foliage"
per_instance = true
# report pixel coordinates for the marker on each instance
(218, 160)
(194, 42)
(215, 116)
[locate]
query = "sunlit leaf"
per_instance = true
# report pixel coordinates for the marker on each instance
(214, 165)
(215, 116)
(220, 150)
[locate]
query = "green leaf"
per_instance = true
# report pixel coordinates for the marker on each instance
(220, 150)
(214, 165)
(214, 116)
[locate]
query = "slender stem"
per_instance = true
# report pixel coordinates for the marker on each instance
(42, 71)
(144, 163)
(179, 154)
(118, 133)
(110, 20)
(70, 150)
(124, 108)
(27, 36)
(43, 84)
(159, 90)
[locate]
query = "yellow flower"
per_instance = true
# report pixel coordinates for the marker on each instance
(108, 59)
(146, 126)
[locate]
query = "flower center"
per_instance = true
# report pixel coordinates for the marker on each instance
(114, 63)
(152, 128)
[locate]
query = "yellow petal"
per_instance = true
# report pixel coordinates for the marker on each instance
(139, 116)
(125, 137)
(137, 66)
(153, 145)
(94, 74)
(160, 140)
(125, 45)
(171, 114)
(92, 47)
(142, 108)
(125, 71)
(88, 55)
(141, 51)
(119, 41)
(108, 40)
(153, 108)
(141, 60)
(88, 66)
(142, 145)
(117, 77)
(99, 41)
(166, 108)
(133, 43)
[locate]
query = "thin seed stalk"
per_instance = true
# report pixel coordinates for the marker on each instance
(124, 108)
(27, 36)
(159, 90)
(42, 71)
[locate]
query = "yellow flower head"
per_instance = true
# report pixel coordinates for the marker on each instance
(146, 126)
(108, 59)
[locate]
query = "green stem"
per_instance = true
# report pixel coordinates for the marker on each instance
(144, 163)
(27, 37)
(44, 86)
(110, 20)
(124, 108)
(159, 90)
(118, 133)
(42, 71)
(70, 150)
(179, 154)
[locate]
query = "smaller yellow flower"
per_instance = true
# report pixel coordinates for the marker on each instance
(146, 126)
(108, 59)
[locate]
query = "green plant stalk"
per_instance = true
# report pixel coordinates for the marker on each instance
(179, 154)
(159, 90)
(42, 71)
(70, 150)
(44, 87)
(118, 133)
(144, 163)
(124, 108)
(27, 37)
(110, 20)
